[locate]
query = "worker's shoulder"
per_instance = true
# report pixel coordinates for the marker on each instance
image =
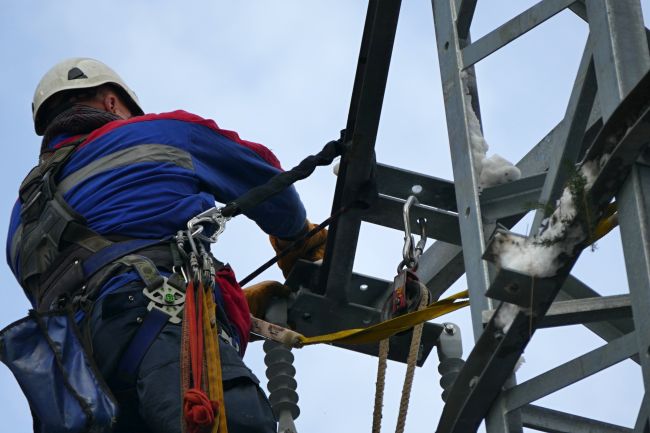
(173, 122)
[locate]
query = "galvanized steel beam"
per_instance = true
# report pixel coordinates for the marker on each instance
(511, 30)
(471, 227)
(571, 372)
(570, 138)
(621, 57)
(582, 311)
(357, 165)
(554, 421)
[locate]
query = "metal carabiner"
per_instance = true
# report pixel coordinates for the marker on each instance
(411, 252)
(211, 216)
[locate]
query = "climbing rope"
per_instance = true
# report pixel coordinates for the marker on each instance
(380, 385)
(411, 362)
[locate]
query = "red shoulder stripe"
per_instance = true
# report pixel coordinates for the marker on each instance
(67, 140)
(260, 149)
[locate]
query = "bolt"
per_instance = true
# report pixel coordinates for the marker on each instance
(139, 320)
(450, 328)
(416, 189)
(306, 316)
(83, 288)
(131, 298)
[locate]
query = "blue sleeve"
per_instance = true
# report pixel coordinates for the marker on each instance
(230, 169)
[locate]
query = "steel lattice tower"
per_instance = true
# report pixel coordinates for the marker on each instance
(607, 109)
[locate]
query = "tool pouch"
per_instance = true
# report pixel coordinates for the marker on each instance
(66, 392)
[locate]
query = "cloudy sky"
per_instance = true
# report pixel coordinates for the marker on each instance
(281, 73)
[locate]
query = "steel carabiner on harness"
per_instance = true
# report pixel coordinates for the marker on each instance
(213, 217)
(411, 252)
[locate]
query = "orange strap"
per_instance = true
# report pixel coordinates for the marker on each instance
(198, 409)
(213, 360)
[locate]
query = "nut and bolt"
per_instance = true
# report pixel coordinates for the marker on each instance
(450, 328)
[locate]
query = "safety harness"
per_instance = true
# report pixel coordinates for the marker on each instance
(61, 260)
(63, 264)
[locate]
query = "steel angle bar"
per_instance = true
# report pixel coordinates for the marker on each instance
(622, 60)
(581, 311)
(357, 165)
(620, 49)
(430, 191)
(619, 143)
(571, 372)
(440, 224)
(512, 199)
(517, 288)
(488, 366)
(466, 10)
(609, 317)
(511, 30)
(440, 266)
(574, 289)
(641, 425)
(634, 218)
(456, 106)
(554, 421)
(570, 139)
(501, 201)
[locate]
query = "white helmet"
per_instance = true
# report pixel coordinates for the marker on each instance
(77, 73)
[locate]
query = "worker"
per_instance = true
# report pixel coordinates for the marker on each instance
(113, 188)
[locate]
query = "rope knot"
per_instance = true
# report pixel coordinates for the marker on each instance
(199, 411)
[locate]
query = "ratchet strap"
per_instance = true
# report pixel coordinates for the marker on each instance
(370, 334)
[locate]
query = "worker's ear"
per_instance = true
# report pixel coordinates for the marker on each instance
(110, 102)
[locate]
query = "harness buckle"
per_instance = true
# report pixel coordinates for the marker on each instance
(168, 299)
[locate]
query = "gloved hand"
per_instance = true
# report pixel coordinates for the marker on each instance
(259, 295)
(312, 249)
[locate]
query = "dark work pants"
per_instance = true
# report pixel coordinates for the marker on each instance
(153, 404)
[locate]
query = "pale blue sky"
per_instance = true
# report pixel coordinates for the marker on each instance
(281, 73)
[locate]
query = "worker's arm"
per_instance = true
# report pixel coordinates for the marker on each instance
(231, 166)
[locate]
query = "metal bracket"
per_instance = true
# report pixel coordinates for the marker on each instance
(167, 299)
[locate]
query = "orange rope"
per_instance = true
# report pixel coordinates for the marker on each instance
(198, 409)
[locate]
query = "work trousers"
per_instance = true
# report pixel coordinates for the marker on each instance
(153, 402)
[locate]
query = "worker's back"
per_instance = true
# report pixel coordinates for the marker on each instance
(146, 177)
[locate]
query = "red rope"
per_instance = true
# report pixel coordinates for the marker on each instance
(199, 410)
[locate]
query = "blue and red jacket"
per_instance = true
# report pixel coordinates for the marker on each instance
(145, 177)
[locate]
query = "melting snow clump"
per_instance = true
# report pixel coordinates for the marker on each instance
(491, 171)
(505, 315)
(542, 255)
